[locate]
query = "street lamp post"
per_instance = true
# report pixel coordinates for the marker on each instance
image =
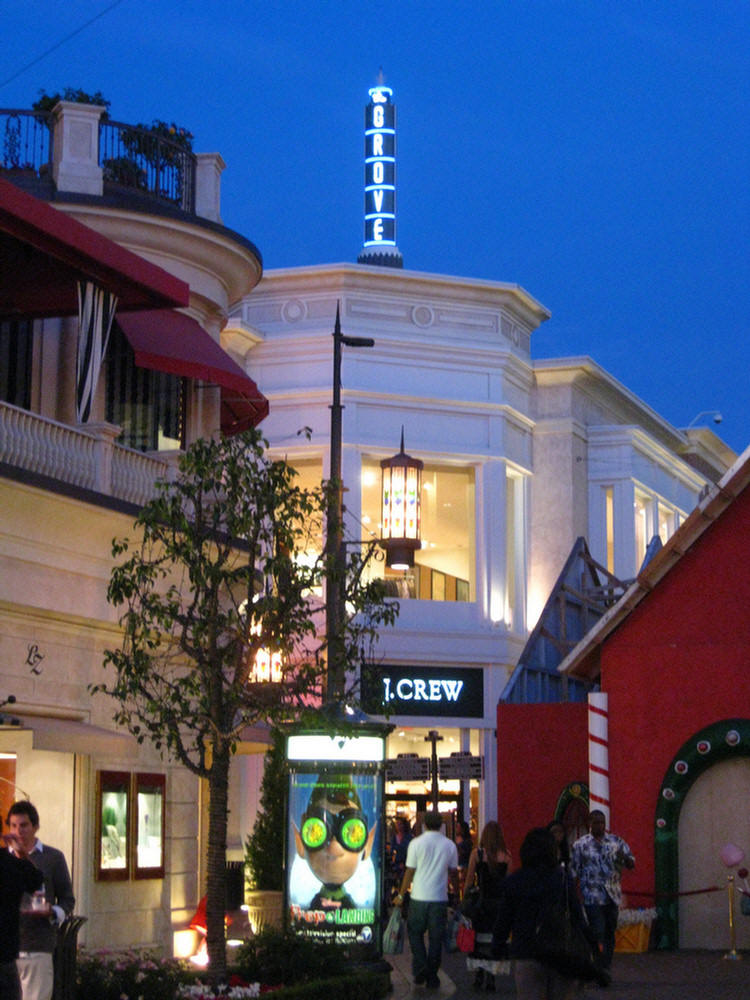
(335, 550)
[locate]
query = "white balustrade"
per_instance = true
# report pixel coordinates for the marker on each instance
(84, 456)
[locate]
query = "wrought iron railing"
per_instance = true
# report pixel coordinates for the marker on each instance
(144, 160)
(25, 140)
(139, 159)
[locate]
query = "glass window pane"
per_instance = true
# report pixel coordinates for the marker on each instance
(113, 822)
(149, 860)
(16, 338)
(447, 533)
(148, 405)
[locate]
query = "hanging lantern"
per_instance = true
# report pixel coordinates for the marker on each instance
(266, 668)
(267, 665)
(401, 508)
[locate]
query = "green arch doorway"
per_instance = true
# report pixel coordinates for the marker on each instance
(720, 741)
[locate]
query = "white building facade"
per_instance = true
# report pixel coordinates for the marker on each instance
(521, 458)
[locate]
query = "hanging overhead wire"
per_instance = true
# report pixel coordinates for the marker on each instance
(62, 42)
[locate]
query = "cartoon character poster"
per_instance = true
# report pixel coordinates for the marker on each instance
(333, 860)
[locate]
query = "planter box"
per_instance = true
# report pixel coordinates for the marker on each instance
(632, 938)
(264, 909)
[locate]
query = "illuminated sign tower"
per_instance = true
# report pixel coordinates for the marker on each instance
(380, 179)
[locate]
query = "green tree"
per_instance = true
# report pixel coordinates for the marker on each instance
(264, 848)
(222, 568)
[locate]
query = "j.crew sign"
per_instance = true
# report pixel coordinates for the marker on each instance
(433, 691)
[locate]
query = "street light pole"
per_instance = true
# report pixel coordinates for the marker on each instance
(335, 550)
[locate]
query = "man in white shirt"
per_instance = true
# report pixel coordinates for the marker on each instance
(431, 865)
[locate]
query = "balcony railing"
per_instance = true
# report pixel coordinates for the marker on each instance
(137, 159)
(26, 141)
(89, 459)
(146, 161)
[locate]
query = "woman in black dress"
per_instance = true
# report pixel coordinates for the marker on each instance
(488, 866)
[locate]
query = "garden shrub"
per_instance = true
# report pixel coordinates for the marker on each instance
(276, 958)
(104, 975)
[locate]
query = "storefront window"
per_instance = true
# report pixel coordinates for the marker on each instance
(113, 820)
(309, 477)
(130, 825)
(642, 511)
(668, 521)
(149, 824)
(444, 566)
(609, 518)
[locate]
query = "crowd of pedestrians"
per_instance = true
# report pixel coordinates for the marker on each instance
(507, 905)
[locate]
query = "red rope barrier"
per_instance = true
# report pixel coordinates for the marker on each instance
(673, 895)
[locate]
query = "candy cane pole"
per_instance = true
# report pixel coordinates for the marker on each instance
(599, 753)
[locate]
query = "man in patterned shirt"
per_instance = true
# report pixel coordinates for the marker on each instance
(597, 859)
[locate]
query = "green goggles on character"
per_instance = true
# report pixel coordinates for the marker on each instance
(320, 826)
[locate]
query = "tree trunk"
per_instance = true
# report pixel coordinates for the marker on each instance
(218, 785)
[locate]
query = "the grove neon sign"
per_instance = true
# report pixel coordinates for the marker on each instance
(380, 168)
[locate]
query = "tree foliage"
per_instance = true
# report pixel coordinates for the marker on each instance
(227, 561)
(264, 847)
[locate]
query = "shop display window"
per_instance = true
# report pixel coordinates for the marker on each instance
(113, 818)
(149, 825)
(444, 565)
(130, 825)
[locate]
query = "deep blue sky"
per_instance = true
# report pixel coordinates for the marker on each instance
(596, 152)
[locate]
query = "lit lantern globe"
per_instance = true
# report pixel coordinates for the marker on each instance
(401, 508)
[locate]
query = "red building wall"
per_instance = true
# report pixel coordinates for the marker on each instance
(541, 749)
(677, 664)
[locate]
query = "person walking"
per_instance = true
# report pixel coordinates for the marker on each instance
(524, 893)
(399, 845)
(597, 860)
(431, 866)
(17, 877)
(488, 866)
(464, 846)
(45, 912)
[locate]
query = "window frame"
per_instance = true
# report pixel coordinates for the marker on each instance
(112, 782)
(128, 785)
(153, 783)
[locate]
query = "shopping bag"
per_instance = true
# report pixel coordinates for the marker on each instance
(451, 931)
(393, 936)
(466, 937)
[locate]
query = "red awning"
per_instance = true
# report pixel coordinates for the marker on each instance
(169, 341)
(44, 252)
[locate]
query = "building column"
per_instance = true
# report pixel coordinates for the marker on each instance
(208, 170)
(75, 148)
(490, 541)
(488, 799)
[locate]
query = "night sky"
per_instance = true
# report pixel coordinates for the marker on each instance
(594, 153)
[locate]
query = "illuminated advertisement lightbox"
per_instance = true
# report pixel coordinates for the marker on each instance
(334, 851)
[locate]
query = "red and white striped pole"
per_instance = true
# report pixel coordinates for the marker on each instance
(599, 753)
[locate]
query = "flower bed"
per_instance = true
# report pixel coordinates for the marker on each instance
(274, 962)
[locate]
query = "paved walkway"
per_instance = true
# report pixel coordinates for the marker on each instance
(679, 975)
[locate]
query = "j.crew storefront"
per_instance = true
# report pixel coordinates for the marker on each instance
(437, 748)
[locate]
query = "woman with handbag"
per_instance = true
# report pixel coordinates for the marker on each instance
(526, 894)
(488, 866)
